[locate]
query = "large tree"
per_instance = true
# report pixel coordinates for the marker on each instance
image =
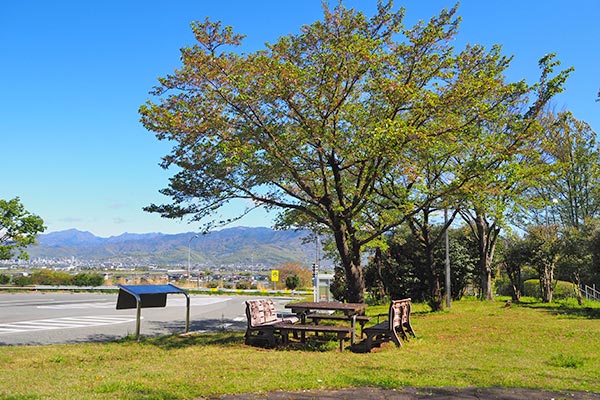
(576, 181)
(18, 228)
(328, 125)
(501, 188)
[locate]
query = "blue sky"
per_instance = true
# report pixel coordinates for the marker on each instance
(74, 73)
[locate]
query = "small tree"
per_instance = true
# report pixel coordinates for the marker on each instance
(292, 282)
(514, 256)
(543, 249)
(295, 269)
(22, 280)
(88, 279)
(4, 279)
(47, 277)
(18, 228)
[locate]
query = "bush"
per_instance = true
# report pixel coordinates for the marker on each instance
(22, 280)
(243, 285)
(292, 281)
(88, 279)
(4, 279)
(55, 278)
(562, 289)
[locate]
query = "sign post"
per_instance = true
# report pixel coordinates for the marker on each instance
(274, 278)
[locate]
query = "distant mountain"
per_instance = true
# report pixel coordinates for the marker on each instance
(240, 245)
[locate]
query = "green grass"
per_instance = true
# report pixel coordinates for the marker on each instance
(475, 343)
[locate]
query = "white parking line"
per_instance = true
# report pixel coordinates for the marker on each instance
(78, 306)
(64, 323)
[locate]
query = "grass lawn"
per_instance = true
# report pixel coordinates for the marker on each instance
(475, 343)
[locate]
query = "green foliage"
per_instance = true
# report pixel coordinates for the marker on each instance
(561, 289)
(4, 279)
(403, 271)
(48, 277)
(88, 279)
(351, 126)
(18, 228)
(575, 183)
(21, 280)
(292, 282)
(531, 288)
(58, 278)
(244, 285)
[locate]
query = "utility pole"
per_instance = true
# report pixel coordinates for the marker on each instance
(190, 256)
(448, 292)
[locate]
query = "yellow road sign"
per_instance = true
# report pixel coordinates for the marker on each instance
(274, 275)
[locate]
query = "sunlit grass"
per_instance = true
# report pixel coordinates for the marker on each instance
(474, 343)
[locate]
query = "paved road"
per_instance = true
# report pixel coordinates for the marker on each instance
(52, 318)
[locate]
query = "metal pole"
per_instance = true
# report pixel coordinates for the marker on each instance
(448, 292)
(190, 256)
(187, 313)
(315, 269)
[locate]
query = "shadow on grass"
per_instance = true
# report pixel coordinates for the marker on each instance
(203, 339)
(565, 309)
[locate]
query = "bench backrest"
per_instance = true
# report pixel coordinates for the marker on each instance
(260, 311)
(399, 313)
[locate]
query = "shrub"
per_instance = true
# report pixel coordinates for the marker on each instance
(243, 285)
(292, 281)
(4, 279)
(562, 289)
(21, 280)
(47, 277)
(88, 279)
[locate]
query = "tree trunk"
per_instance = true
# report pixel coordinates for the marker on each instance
(487, 236)
(546, 283)
(349, 251)
(436, 300)
(577, 283)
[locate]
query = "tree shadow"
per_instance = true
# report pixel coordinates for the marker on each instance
(565, 310)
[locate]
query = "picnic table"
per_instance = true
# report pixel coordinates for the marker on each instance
(351, 311)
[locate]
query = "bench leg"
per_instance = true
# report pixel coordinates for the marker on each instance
(284, 337)
(410, 330)
(341, 337)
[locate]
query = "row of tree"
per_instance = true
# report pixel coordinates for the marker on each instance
(54, 278)
(550, 225)
(358, 127)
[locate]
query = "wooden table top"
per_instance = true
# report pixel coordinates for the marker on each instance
(348, 308)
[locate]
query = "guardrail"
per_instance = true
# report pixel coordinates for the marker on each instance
(192, 290)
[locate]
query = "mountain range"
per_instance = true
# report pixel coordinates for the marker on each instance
(239, 245)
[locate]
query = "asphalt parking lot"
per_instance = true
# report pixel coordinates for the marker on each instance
(35, 318)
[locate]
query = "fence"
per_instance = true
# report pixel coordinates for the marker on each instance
(590, 292)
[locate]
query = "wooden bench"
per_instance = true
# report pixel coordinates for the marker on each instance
(342, 332)
(263, 321)
(398, 322)
(361, 319)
